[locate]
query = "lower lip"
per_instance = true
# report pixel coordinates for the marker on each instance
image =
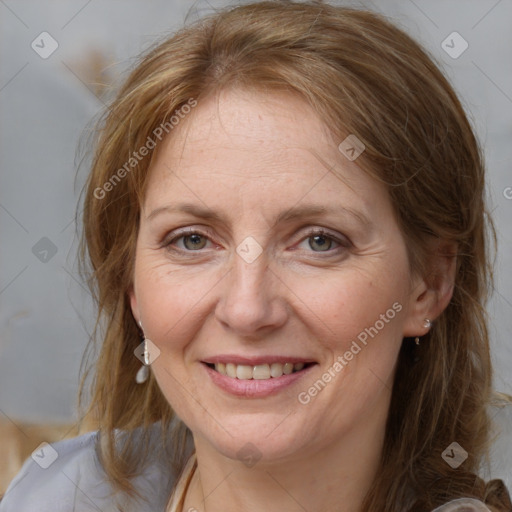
(255, 388)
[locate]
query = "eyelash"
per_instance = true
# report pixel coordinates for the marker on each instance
(344, 244)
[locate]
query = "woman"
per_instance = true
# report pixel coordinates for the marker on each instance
(285, 223)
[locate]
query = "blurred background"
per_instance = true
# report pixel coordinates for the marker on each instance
(60, 62)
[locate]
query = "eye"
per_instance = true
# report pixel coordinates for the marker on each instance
(322, 241)
(317, 240)
(188, 241)
(194, 241)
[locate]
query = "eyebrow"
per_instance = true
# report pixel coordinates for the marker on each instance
(288, 215)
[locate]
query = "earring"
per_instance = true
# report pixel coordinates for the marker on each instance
(427, 324)
(143, 373)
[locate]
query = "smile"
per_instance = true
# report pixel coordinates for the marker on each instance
(257, 376)
(258, 371)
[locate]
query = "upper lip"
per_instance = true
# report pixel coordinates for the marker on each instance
(255, 360)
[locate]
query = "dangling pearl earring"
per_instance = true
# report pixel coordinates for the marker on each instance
(427, 324)
(143, 373)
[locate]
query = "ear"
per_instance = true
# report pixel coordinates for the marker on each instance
(134, 304)
(432, 292)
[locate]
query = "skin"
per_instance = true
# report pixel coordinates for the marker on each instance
(252, 156)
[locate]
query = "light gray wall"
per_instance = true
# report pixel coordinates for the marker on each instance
(45, 105)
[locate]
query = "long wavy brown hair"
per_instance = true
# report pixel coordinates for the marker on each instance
(363, 76)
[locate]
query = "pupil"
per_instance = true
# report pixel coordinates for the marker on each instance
(321, 241)
(195, 241)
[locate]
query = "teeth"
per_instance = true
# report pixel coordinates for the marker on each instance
(230, 370)
(276, 370)
(243, 372)
(259, 371)
(287, 368)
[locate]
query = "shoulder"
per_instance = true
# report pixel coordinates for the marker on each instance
(51, 475)
(463, 505)
(67, 476)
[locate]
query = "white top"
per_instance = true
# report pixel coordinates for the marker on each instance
(67, 477)
(463, 505)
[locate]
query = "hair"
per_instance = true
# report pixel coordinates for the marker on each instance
(364, 76)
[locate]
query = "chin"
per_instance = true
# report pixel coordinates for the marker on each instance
(256, 442)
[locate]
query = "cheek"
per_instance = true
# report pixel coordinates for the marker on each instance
(351, 306)
(172, 301)
(358, 320)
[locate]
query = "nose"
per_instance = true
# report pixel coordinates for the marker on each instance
(252, 301)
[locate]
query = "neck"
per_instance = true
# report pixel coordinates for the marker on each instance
(336, 477)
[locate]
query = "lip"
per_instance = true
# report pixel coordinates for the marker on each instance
(254, 388)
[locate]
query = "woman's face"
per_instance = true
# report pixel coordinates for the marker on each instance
(263, 250)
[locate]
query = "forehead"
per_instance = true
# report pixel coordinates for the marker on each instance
(243, 130)
(262, 146)
(252, 120)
